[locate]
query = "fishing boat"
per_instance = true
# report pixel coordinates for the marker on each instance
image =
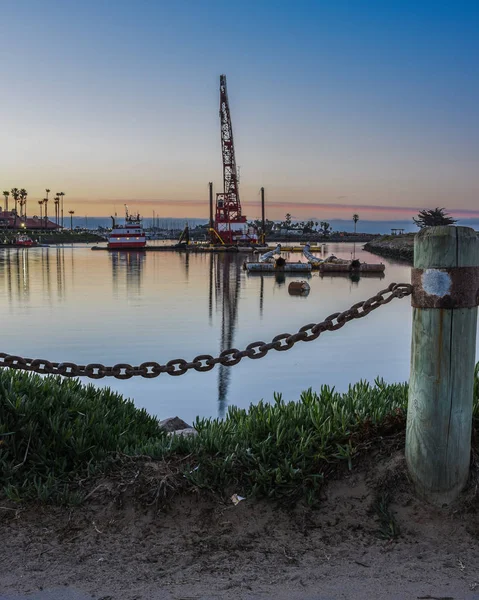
(127, 236)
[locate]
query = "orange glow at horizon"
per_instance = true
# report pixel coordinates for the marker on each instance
(275, 210)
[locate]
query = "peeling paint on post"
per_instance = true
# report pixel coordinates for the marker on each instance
(439, 420)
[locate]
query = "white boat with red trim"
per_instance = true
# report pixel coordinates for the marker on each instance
(129, 235)
(24, 241)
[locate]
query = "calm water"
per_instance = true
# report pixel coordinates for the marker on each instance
(72, 304)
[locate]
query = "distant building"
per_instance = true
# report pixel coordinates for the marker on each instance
(8, 220)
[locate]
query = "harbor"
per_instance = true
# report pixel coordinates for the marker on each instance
(239, 290)
(98, 305)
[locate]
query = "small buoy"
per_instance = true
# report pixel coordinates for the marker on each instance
(298, 287)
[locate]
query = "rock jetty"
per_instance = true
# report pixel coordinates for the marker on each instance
(400, 247)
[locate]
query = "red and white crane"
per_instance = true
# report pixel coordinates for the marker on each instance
(230, 224)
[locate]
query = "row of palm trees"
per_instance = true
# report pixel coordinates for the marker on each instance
(20, 197)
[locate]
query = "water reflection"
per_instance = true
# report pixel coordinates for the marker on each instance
(187, 265)
(194, 304)
(127, 271)
(20, 267)
(227, 286)
(353, 275)
(261, 296)
(210, 290)
(60, 271)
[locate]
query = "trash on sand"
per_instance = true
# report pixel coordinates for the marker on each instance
(235, 499)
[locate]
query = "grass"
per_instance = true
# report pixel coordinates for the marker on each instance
(388, 527)
(56, 433)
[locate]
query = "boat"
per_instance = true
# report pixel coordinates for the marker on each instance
(24, 241)
(127, 236)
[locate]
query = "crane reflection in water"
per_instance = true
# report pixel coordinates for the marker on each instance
(225, 280)
(225, 277)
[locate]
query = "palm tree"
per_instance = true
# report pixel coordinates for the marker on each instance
(325, 228)
(23, 203)
(40, 204)
(57, 209)
(72, 212)
(45, 201)
(61, 194)
(355, 219)
(15, 194)
(6, 193)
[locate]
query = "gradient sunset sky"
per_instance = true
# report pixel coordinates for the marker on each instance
(337, 107)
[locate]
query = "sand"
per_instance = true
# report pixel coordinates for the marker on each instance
(202, 546)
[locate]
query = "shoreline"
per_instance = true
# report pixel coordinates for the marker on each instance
(99, 495)
(46, 239)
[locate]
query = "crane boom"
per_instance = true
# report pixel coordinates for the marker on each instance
(230, 224)
(230, 173)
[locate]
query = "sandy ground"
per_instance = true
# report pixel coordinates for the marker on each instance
(202, 547)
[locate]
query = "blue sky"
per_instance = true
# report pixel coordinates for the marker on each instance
(356, 103)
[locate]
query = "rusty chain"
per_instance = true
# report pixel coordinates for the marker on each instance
(206, 362)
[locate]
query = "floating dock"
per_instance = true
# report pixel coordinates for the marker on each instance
(299, 267)
(326, 267)
(353, 274)
(186, 248)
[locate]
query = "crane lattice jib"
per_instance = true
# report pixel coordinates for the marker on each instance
(230, 207)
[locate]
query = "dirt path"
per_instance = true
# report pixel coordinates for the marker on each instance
(203, 548)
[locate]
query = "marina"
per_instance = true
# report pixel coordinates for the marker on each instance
(135, 306)
(176, 247)
(239, 292)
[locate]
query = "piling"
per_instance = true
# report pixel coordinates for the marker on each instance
(263, 230)
(210, 185)
(439, 420)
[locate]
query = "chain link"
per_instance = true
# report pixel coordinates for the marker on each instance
(206, 362)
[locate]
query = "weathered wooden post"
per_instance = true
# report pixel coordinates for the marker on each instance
(439, 420)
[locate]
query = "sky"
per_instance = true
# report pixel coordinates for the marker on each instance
(338, 107)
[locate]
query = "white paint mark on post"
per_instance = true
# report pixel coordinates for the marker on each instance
(436, 282)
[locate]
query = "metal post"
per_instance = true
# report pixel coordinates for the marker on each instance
(211, 204)
(210, 184)
(439, 420)
(263, 230)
